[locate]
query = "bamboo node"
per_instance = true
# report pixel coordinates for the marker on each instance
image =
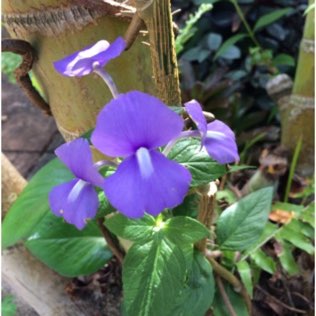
(308, 46)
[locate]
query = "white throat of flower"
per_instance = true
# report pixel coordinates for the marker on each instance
(74, 193)
(144, 162)
(216, 135)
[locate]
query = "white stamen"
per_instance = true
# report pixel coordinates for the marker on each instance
(144, 162)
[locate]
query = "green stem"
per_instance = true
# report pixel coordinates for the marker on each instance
(245, 23)
(292, 168)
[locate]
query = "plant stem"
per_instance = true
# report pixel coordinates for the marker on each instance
(245, 23)
(230, 278)
(117, 252)
(225, 297)
(107, 79)
(206, 210)
(292, 168)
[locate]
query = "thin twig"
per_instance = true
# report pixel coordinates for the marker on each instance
(230, 278)
(225, 297)
(110, 241)
(293, 309)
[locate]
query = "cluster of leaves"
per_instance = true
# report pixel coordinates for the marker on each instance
(161, 265)
(224, 60)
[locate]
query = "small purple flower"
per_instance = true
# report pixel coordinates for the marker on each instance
(76, 200)
(217, 137)
(83, 62)
(133, 126)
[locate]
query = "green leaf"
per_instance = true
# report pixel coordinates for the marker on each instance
(198, 294)
(189, 206)
(66, 250)
(139, 230)
(32, 204)
(286, 258)
(270, 18)
(296, 238)
(308, 215)
(283, 59)
(189, 30)
(241, 224)
(229, 43)
(219, 306)
(203, 169)
(153, 276)
(244, 271)
(263, 261)
(8, 306)
(184, 230)
(231, 52)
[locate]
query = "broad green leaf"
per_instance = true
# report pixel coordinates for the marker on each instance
(308, 215)
(304, 228)
(32, 204)
(184, 230)
(244, 271)
(214, 40)
(263, 261)
(138, 230)
(270, 18)
(229, 43)
(188, 152)
(286, 258)
(198, 294)
(296, 238)
(270, 230)
(219, 306)
(241, 224)
(283, 59)
(153, 276)
(69, 251)
(231, 52)
(189, 206)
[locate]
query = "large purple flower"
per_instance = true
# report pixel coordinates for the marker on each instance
(83, 62)
(132, 126)
(217, 137)
(76, 200)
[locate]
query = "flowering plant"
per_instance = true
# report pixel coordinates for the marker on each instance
(155, 187)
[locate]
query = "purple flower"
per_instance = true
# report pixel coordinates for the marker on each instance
(76, 200)
(132, 126)
(83, 62)
(217, 137)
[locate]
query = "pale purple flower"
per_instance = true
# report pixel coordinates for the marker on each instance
(133, 126)
(76, 200)
(83, 62)
(217, 138)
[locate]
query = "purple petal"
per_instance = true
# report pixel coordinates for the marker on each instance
(76, 201)
(76, 155)
(133, 120)
(81, 62)
(220, 143)
(194, 110)
(134, 191)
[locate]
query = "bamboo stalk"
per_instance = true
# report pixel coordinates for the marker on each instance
(158, 19)
(297, 119)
